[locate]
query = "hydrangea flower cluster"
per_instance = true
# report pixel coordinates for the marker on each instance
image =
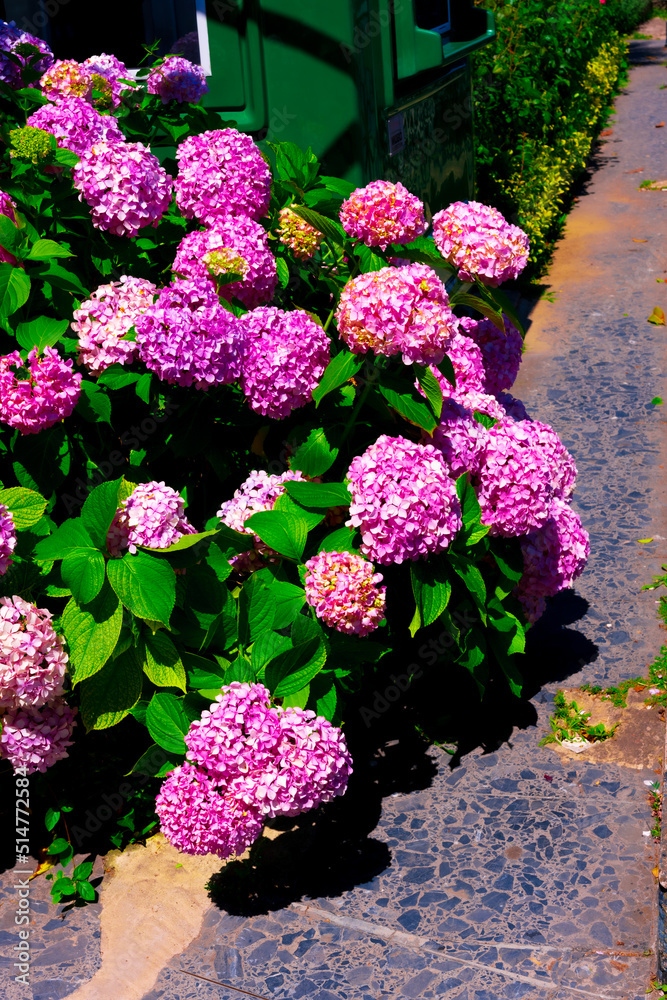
(562, 470)
(403, 501)
(177, 79)
(36, 738)
(76, 124)
(297, 234)
(102, 321)
(343, 589)
(397, 310)
(512, 406)
(480, 242)
(124, 186)
(32, 657)
(237, 245)
(111, 70)
(39, 394)
(553, 556)
(248, 761)
(468, 364)
(187, 338)
(221, 173)
(259, 492)
(32, 145)
(7, 208)
(7, 538)
(382, 213)
(501, 352)
(13, 40)
(67, 78)
(152, 516)
(285, 355)
(458, 436)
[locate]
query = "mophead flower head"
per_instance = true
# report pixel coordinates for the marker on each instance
(38, 393)
(237, 735)
(553, 556)
(102, 322)
(7, 538)
(31, 144)
(404, 501)
(458, 436)
(221, 173)
(67, 78)
(480, 242)
(32, 657)
(34, 739)
(177, 79)
(397, 310)
(297, 234)
(259, 492)
(562, 470)
(501, 351)
(233, 245)
(152, 516)
(382, 213)
(106, 69)
(285, 356)
(76, 124)
(187, 338)
(26, 49)
(343, 589)
(124, 186)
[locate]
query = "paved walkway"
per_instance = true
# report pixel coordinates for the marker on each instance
(520, 873)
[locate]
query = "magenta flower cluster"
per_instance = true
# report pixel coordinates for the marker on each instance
(221, 173)
(11, 72)
(38, 393)
(397, 310)
(153, 516)
(553, 556)
(382, 213)
(248, 761)
(297, 234)
(76, 124)
(343, 589)
(67, 78)
(177, 79)
(480, 242)
(501, 352)
(124, 186)
(102, 322)
(404, 501)
(259, 492)
(111, 69)
(7, 538)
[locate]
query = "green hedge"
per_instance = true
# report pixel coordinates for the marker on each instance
(542, 90)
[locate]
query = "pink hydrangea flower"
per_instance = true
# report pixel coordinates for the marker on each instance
(285, 356)
(7, 208)
(397, 310)
(11, 39)
(501, 352)
(480, 242)
(512, 406)
(343, 589)
(187, 338)
(7, 538)
(152, 516)
(259, 492)
(67, 78)
(76, 124)
(177, 79)
(237, 245)
(221, 173)
(297, 234)
(36, 394)
(403, 501)
(459, 437)
(32, 657)
(466, 359)
(36, 738)
(111, 70)
(553, 556)
(124, 186)
(563, 471)
(382, 213)
(102, 321)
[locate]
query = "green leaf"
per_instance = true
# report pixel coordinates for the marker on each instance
(145, 584)
(14, 288)
(83, 871)
(51, 818)
(82, 571)
(309, 518)
(99, 510)
(319, 495)
(407, 401)
(240, 670)
(108, 696)
(167, 722)
(47, 249)
(339, 370)
(291, 162)
(232, 541)
(316, 455)
(94, 404)
(432, 589)
(187, 541)
(283, 272)
(257, 609)
(92, 631)
(70, 535)
(473, 302)
(333, 231)
(472, 578)
(341, 540)
(431, 388)
(202, 673)
(297, 700)
(26, 506)
(289, 599)
(280, 531)
(267, 646)
(116, 377)
(59, 276)
(473, 529)
(163, 665)
(474, 659)
(292, 669)
(154, 760)
(446, 368)
(86, 890)
(40, 333)
(66, 157)
(10, 235)
(324, 696)
(369, 260)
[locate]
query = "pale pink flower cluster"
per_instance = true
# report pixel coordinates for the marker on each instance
(553, 556)
(343, 589)
(237, 245)
(177, 79)
(285, 355)
(32, 656)
(397, 310)
(221, 173)
(36, 738)
(501, 352)
(297, 234)
(480, 242)
(76, 124)
(403, 501)
(153, 516)
(7, 538)
(466, 359)
(67, 78)
(259, 492)
(382, 213)
(248, 761)
(124, 186)
(102, 321)
(39, 392)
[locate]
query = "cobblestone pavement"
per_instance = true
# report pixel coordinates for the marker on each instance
(520, 873)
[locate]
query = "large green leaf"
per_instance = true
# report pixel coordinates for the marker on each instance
(14, 289)
(405, 399)
(26, 506)
(280, 531)
(163, 665)
(292, 669)
(431, 388)
(47, 249)
(333, 231)
(99, 511)
(41, 332)
(188, 541)
(108, 696)
(339, 370)
(432, 589)
(289, 599)
(473, 302)
(341, 540)
(145, 584)
(70, 535)
(316, 455)
(319, 495)
(92, 631)
(268, 646)
(257, 608)
(167, 722)
(309, 518)
(82, 571)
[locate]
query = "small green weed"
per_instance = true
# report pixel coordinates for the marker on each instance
(645, 184)
(569, 722)
(657, 987)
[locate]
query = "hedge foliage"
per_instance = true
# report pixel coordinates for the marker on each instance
(541, 94)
